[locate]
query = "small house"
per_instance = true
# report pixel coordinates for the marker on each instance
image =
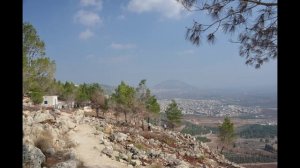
(50, 101)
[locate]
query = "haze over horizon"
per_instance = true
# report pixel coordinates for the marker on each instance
(110, 41)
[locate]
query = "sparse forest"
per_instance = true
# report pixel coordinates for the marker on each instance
(195, 129)
(250, 158)
(258, 131)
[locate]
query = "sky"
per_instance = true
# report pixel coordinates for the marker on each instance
(107, 41)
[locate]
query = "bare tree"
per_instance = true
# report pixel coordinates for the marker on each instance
(254, 20)
(99, 101)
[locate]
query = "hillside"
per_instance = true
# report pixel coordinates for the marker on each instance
(78, 139)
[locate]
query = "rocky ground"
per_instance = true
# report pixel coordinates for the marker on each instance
(59, 139)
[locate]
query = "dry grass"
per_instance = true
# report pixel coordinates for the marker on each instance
(193, 160)
(108, 129)
(44, 141)
(156, 165)
(140, 146)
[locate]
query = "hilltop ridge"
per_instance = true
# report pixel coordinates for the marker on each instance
(78, 139)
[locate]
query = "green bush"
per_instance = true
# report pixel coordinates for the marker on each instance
(36, 97)
(194, 129)
(203, 139)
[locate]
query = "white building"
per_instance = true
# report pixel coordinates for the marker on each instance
(50, 101)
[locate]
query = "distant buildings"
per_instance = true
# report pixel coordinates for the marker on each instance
(52, 101)
(209, 107)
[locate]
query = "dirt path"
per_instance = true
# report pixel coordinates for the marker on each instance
(89, 149)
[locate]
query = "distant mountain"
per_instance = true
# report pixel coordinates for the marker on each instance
(174, 85)
(175, 89)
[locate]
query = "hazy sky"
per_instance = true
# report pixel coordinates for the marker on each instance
(107, 41)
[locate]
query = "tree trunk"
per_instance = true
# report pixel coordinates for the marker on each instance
(125, 113)
(97, 111)
(149, 128)
(222, 150)
(143, 128)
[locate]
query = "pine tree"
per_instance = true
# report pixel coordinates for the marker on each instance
(173, 114)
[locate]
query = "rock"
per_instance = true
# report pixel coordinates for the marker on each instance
(27, 140)
(135, 156)
(41, 116)
(154, 153)
(172, 160)
(130, 146)
(60, 143)
(108, 150)
(26, 113)
(123, 156)
(182, 152)
(183, 164)
(134, 150)
(101, 137)
(50, 151)
(53, 131)
(152, 142)
(78, 116)
(32, 156)
(66, 164)
(106, 142)
(36, 130)
(119, 148)
(108, 129)
(136, 162)
(65, 124)
(119, 137)
(71, 155)
(28, 120)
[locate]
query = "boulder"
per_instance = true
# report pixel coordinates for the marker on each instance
(123, 156)
(107, 143)
(71, 155)
(108, 129)
(108, 150)
(119, 137)
(66, 164)
(50, 151)
(52, 130)
(32, 156)
(78, 116)
(35, 131)
(41, 116)
(172, 160)
(154, 153)
(134, 150)
(135, 162)
(26, 113)
(101, 137)
(65, 124)
(27, 140)
(183, 164)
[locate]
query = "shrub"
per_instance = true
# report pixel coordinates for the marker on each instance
(36, 97)
(44, 141)
(140, 146)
